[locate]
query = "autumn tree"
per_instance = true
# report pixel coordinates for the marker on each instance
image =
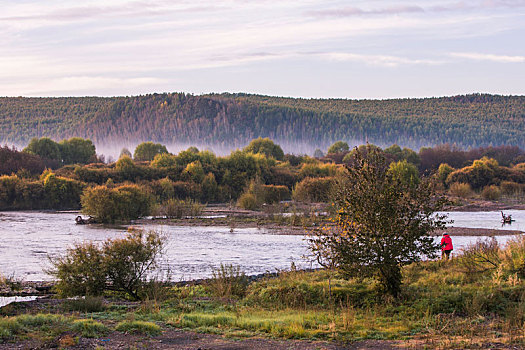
(45, 148)
(382, 223)
(338, 147)
(77, 150)
(266, 147)
(147, 151)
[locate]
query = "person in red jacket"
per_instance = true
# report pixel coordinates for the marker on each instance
(446, 246)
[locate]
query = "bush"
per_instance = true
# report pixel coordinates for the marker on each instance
(122, 203)
(514, 256)
(80, 271)
(184, 190)
(178, 208)
(481, 256)
(127, 261)
(313, 189)
(462, 190)
(120, 264)
(139, 327)
(275, 194)
(512, 188)
(228, 281)
(317, 170)
(443, 172)
(247, 201)
(62, 193)
(491, 193)
(87, 304)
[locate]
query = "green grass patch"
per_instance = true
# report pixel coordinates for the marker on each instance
(89, 328)
(139, 327)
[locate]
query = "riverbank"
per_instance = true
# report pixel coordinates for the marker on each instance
(298, 222)
(442, 305)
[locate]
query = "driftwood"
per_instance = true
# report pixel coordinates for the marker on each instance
(506, 219)
(81, 221)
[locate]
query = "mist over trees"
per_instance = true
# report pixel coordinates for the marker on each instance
(258, 174)
(228, 121)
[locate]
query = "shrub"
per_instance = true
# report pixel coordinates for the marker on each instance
(462, 190)
(183, 190)
(61, 192)
(164, 160)
(87, 304)
(120, 264)
(491, 192)
(194, 172)
(178, 208)
(511, 188)
(128, 260)
(209, 188)
(121, 203)
(275, 194)
(317, 170)
(481, 256)
(514, 256)
(80, 271)
(247, 201)
(228, 281)
(139, 327)
(11, 161)
(313, 189)
(9, 327)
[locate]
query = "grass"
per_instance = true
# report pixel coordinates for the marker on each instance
(45, 325)
(89, 328)
(139, 327)
(452, 304)
(87, 304)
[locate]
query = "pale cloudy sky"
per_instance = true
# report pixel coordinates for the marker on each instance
(309, 48)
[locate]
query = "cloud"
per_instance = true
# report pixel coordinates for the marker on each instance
(489, 57)
(80, 85)
(461, 6)
(377, 60)
(355, 11)
(126, 10)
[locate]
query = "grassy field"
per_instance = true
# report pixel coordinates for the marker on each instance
(476, 300)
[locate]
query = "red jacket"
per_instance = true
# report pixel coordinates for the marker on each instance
(446, 242)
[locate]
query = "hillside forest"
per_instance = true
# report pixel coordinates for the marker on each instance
(228, 121)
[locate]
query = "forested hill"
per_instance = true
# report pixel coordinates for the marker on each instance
(232, 120)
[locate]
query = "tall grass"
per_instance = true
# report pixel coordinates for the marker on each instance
(178, 208)
(228, 281)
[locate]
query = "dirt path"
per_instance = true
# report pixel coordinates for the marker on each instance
(185, 340)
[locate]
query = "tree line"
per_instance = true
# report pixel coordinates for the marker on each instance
(232, 120)
(68, 174)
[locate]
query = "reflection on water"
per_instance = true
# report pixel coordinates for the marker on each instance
(488, 219)
(27, 238)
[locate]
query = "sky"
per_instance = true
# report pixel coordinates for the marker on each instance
(307, 48)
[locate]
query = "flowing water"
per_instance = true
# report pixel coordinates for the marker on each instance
(488, 219)
(28, 238)
(8, 300)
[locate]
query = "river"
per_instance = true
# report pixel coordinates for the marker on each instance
(28, 238)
